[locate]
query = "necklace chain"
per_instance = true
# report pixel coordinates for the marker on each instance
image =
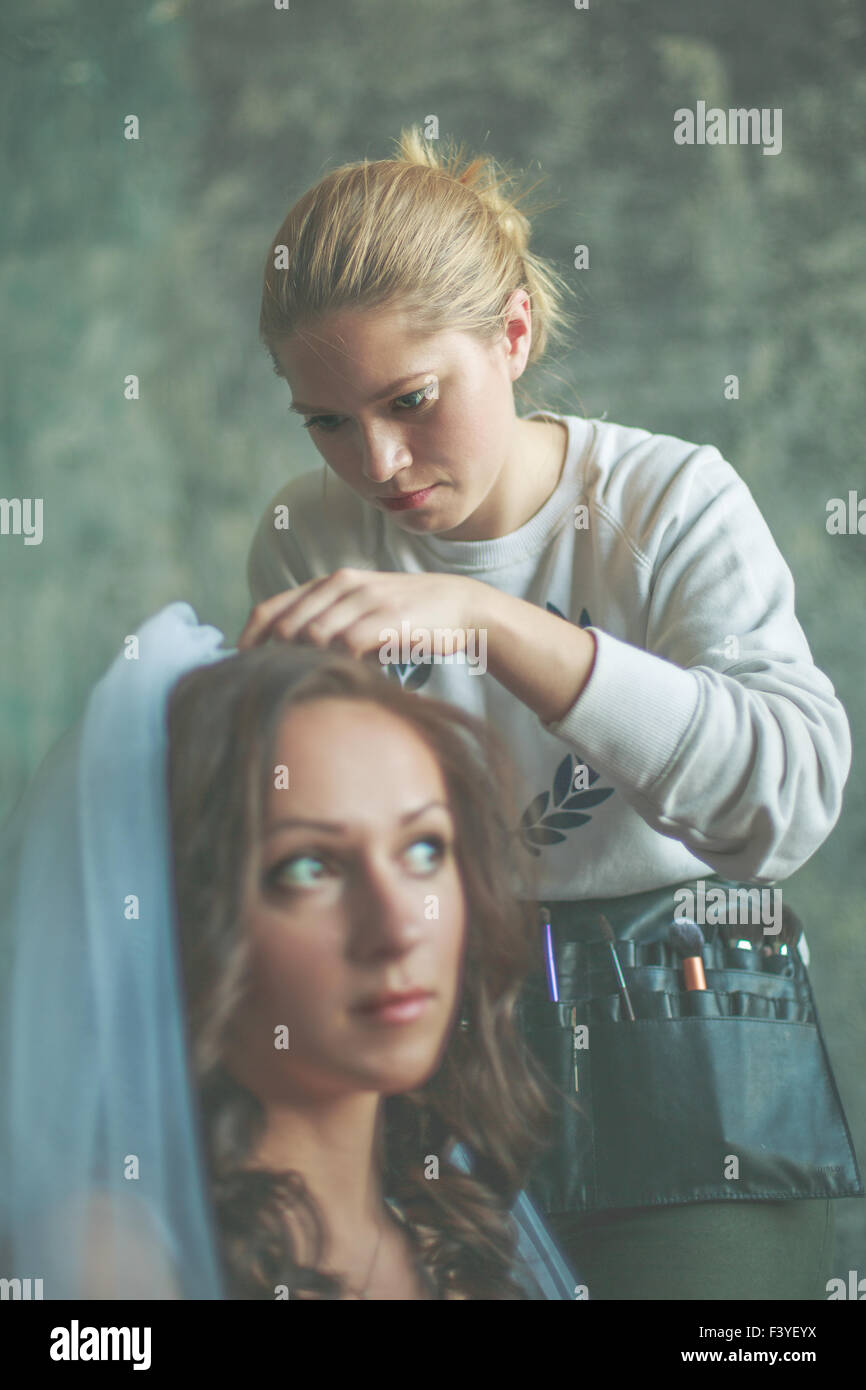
(362, 1292)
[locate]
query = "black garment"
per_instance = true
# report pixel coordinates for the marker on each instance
(703, 1250)
(672, 1128)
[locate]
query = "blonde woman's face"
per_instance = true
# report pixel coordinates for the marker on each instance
(359, 897)
(423, 428)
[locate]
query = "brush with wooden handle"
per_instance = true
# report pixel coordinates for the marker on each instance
(687, 940)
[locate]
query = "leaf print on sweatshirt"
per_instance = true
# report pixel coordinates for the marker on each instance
(561, 808)
(409, 674)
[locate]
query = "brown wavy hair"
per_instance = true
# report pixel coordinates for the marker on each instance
(487, 1092)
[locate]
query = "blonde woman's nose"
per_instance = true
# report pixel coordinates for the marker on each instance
(384, 456)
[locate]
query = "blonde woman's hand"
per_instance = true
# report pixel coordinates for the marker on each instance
(357, 611)
(542, 658)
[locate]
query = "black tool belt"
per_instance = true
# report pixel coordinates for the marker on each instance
(715, 1094)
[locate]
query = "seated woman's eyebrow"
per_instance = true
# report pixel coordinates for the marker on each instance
(338, 828)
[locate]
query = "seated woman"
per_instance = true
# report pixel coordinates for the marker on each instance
(263, 956)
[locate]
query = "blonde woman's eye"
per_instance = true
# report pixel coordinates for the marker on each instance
(414, 400)
(317, 422)
(429, 392)
(424, 856)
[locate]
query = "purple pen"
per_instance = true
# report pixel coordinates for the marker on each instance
(549, 957)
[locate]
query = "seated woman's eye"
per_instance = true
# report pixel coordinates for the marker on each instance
(302, 871)
(424, 856)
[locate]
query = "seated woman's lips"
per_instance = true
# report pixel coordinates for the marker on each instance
(396, 1008)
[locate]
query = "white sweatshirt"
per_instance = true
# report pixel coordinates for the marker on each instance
(713, 742)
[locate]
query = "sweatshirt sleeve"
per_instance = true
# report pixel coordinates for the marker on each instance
(721, 733)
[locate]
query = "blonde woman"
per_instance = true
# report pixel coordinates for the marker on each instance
(614, 603)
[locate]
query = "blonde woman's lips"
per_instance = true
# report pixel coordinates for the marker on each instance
(408, 500)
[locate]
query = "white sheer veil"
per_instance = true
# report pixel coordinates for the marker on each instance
(102, 1184)
(101, 1175)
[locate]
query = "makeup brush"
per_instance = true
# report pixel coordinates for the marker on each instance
(788, 939)
(553, 982)
(687, 940)
(609, 937)
(751, 936)
(549, 954)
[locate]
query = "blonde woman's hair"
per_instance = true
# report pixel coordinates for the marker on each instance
(437, 234)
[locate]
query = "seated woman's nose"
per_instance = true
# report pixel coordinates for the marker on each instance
(387, 923)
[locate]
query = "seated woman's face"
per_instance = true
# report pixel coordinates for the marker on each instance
(358, 896)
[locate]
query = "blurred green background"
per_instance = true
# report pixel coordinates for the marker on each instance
(146, 257)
